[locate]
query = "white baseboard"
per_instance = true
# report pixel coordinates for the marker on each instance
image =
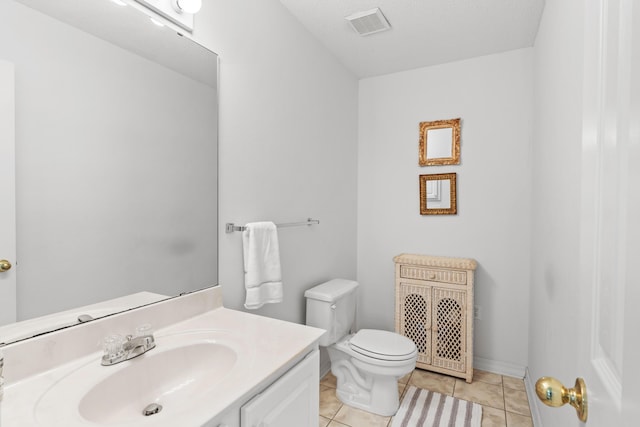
(533, 402)
(498, 367)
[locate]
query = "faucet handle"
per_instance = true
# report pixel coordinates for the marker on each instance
(144, 330)
(112, 346)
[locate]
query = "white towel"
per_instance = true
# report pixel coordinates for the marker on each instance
(262, 273)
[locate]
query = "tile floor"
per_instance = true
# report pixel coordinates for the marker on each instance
(503, 399)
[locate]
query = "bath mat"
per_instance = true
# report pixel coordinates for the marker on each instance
(424, 408)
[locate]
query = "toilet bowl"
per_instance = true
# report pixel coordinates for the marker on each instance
(367, 364)
(367, 378)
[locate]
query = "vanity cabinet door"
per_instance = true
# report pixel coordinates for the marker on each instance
(413, 318)
(450, 329)
(292, 401)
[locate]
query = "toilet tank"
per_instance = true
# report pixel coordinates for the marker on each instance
(332, 306)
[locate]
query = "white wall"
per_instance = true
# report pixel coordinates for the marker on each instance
(493, 96)
(555, 262)
(288, 146)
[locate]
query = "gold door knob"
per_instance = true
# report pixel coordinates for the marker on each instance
(553, 393)
(4, 265)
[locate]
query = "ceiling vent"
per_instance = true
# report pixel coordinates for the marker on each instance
(369, 22)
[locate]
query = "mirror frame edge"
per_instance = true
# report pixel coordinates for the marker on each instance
(453, 194)
(454, 124)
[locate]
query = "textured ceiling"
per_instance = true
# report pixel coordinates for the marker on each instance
(423, 32)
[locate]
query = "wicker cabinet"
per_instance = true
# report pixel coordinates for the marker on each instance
(434, 308)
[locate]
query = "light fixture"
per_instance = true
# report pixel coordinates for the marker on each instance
(119, 2)
(179, 12)
(187, 6)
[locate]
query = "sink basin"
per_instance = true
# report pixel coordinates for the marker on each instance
(169, 377)
(178, 374)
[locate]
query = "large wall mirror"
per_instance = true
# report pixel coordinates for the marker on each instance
(116, 161)
(438, 194)
(439, 143)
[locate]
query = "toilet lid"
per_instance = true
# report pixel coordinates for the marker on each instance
(383, 345)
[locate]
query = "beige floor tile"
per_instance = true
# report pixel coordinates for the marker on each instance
(517, 420)
(405, 379)
(487, 377)
(329, 380)
(516, 401)
(329, 403)
(504, 399)
(358, 418)
(401, 389)
(492, 417)
(479, 392)
(432, 381)
(513, 383)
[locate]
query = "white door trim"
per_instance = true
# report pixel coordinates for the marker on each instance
(7, 192)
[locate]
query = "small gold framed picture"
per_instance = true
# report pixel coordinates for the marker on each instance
(439, 143)
(438, 195)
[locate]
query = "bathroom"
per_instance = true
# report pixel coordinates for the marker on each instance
(302, 136)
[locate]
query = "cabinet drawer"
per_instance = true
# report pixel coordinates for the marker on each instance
(433, 275)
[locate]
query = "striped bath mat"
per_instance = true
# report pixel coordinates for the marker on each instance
(429, 409)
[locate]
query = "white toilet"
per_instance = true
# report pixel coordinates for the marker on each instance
(368, 363)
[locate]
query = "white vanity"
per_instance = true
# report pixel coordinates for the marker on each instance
(211, 367)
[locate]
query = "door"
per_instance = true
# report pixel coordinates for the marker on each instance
(7, 195)
(610, 223)
(414, 318)
(449, 318)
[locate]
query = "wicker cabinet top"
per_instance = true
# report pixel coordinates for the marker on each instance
(436, 261)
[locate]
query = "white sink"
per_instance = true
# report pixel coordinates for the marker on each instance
(180, 374)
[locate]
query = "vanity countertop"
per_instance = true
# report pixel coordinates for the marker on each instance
(265, 349)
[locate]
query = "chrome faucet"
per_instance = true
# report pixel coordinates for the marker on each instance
(117, 350)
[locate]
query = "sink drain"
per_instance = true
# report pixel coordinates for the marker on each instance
(151, 409)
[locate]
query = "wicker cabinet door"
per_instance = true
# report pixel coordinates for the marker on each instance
(450, 330)
(414, 321)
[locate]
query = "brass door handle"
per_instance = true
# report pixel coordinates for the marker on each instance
(552, 393)
(4, 265)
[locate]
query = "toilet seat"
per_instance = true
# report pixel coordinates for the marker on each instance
(383, 345)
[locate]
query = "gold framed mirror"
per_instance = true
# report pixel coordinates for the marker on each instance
(440, 143)
(438, 194)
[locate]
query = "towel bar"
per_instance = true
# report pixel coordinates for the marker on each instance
(231, 227)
